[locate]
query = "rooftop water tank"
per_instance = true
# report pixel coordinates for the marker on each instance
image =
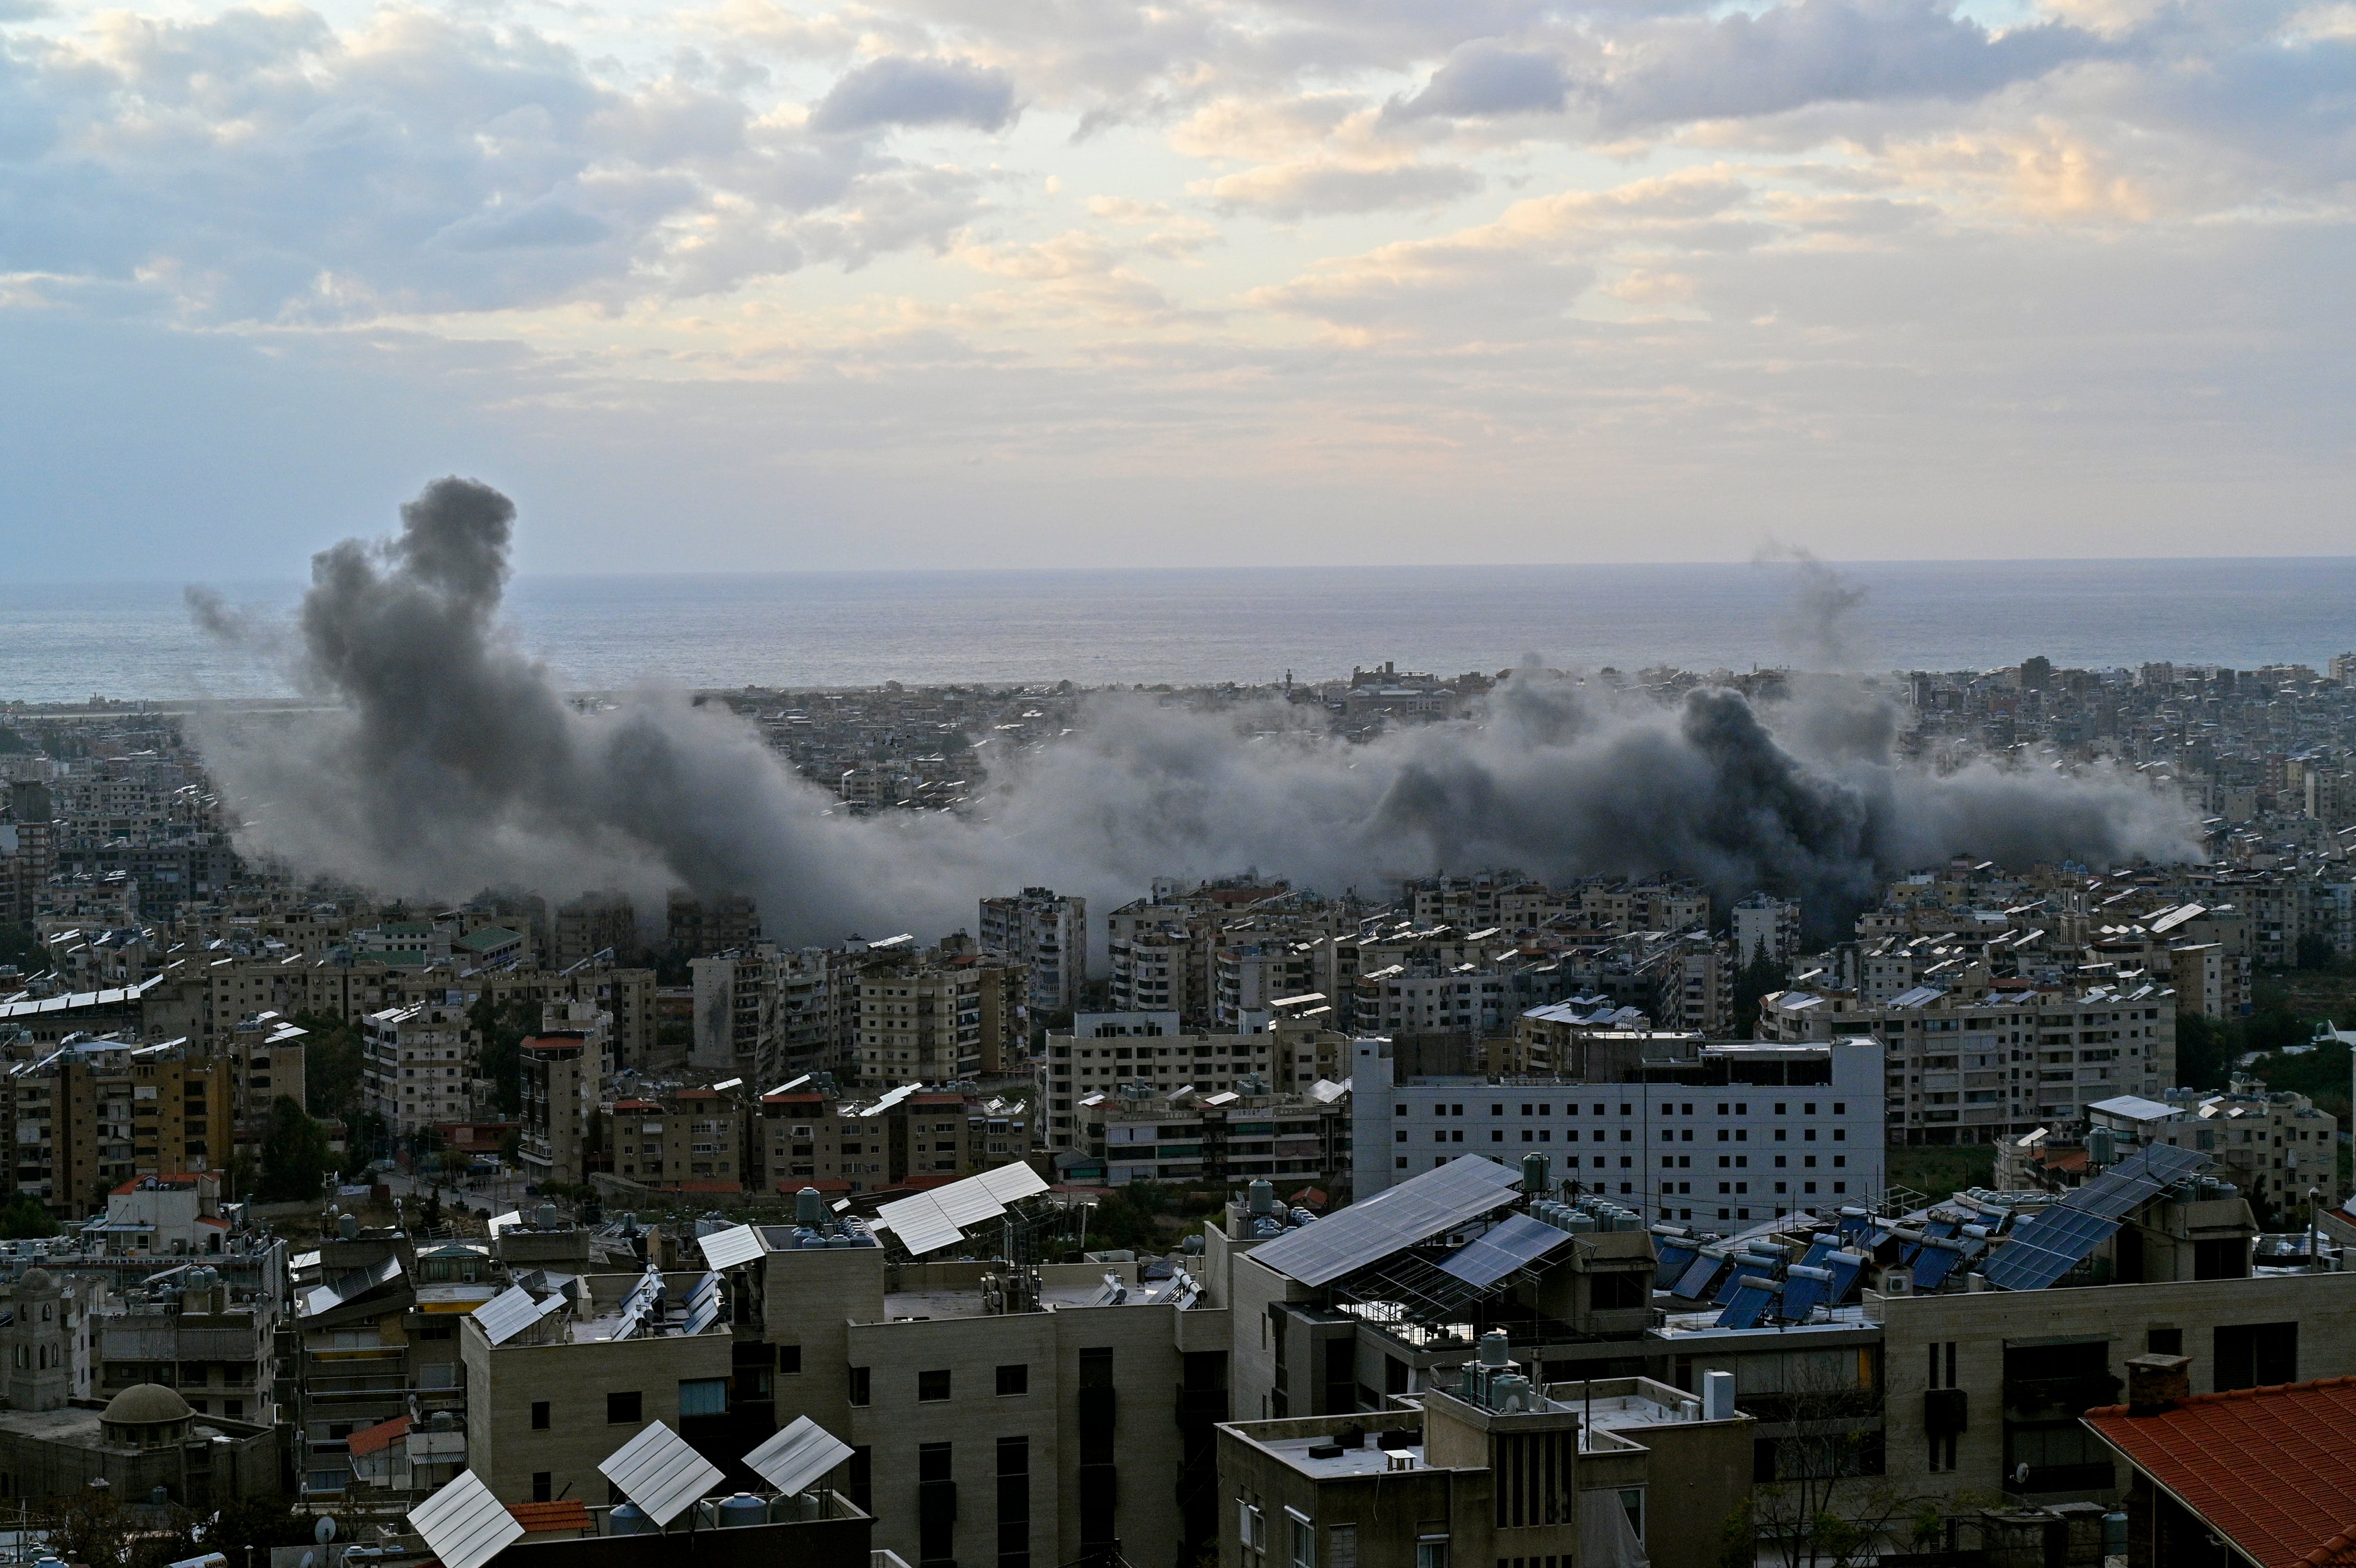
(1533, 1173)
(809, 1209)
(741, 1509)
(626, 1519)
(1262, 1197)
(1494, 1352)
(546, 1217)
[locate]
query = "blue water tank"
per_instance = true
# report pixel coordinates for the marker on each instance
(626, 1519)
(741, 1509)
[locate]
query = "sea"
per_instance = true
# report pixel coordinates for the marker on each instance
(71, 642)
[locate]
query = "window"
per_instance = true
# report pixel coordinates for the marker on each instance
(2164, 1342)
(862, 1479)
(789, 1358)
(540, 1415)
(933, 1385)
(859, 1385)
(1632, 1501)
(2255, 1355)
(621, 1408)
(543, 1486)
(1013, 1503)
(1016, 1379)
(703, 1396)
(1431, 1552)
(1249, 1528)
(1304, 1540)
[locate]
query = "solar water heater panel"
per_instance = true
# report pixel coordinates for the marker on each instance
(508, 1313)
(1750, 1304)
(657, 1471)
(796, 1456)
(1695, 1286)
(463, 1523)
(1368, 1231)
(1674, 1260)
(1516, 1242)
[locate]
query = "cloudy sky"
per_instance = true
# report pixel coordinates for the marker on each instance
(782, 283)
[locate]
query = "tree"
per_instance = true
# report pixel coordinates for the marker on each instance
(1829, 1504)
(293, 1153)
(258, 1522)
(1757, 979)
(331, 1066)
(501, 1027)
(25, 1217)
(1130, 1217)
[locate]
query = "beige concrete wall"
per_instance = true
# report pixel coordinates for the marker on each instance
(502, 1383)
(1979, 1324)
(1146, 1370)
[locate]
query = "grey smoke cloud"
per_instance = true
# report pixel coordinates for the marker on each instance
(445, 759)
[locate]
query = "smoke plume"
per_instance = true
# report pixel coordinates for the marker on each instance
(441, 759)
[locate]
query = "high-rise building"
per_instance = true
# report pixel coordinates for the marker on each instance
(1048, 933)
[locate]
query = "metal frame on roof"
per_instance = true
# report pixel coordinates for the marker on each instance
(507, 1314)
(1513, 1242)
(1393, 1221)
(659, 1472)
(796, 1456)
(929, 1222)
(465, 1524)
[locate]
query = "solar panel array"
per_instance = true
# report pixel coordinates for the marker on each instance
(796, 1456)
(465, 1524)
(1695, 1286)
(1934, 1261)
(1675, 1258)
(726, 1249)
(2050, 1244)
(1750, 1304)
(1803, 1291)
(639, 1304)
(702, 1304)
(508, 1313)
(930, 1220)
(657, 1471)
(1516, 1242)
(1392, 1220)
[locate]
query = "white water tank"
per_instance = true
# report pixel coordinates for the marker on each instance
(1717, 1396)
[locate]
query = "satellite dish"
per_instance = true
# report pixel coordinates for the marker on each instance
(2020, 1474)
(310, 1560)
(324, 1531)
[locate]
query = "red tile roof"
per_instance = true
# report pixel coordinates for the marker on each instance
(382, 1435)
(539, 1519)
(2274, 1469)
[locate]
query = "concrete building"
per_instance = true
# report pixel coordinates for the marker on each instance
(1222, 1138)
(1048, 935)
(195, 1333)
(146, 1440)
(595, 926)
(686, 1142)
(546, 1405)
(1616, 1471)
(96, 1113)
(559, 1103)
(419, 1066)
(1105, 1052)
(1031, 1415)
(1727, 1134)
(848, 1144)
(1765, 927)
(1970, 1067)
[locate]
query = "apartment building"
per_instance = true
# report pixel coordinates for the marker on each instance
(917, 1024)
(96, 1113)
(688, 1141)
(1971, 1066)
(196, 1334)
(2274, 1145)
(594, 926)
(720, 922)
(807, 1138)
(1047, 934)
(1211, 1137)
(1727, 1133)
(1024, 1424)
(419, 1066)
(1106, 1051)
(735, 1011)
(550, 1400)
(1507, 1469)
(558, 1104)
(1765, 927)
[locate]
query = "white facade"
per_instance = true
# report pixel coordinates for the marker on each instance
(1736, 1152)
(416, 1070)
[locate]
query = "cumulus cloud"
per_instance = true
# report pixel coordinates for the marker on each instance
(1487, 78)
(896, 91)
(1297, 190)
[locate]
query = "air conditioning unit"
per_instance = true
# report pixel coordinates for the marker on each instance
(1898, 1282)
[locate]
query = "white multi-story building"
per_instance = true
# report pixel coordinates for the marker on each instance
(1735, 1132)
(1049, 933)
(1768, 925)
(1968, 1068)
(417, 1070)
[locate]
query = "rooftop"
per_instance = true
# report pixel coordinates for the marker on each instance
(2272, 1468)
